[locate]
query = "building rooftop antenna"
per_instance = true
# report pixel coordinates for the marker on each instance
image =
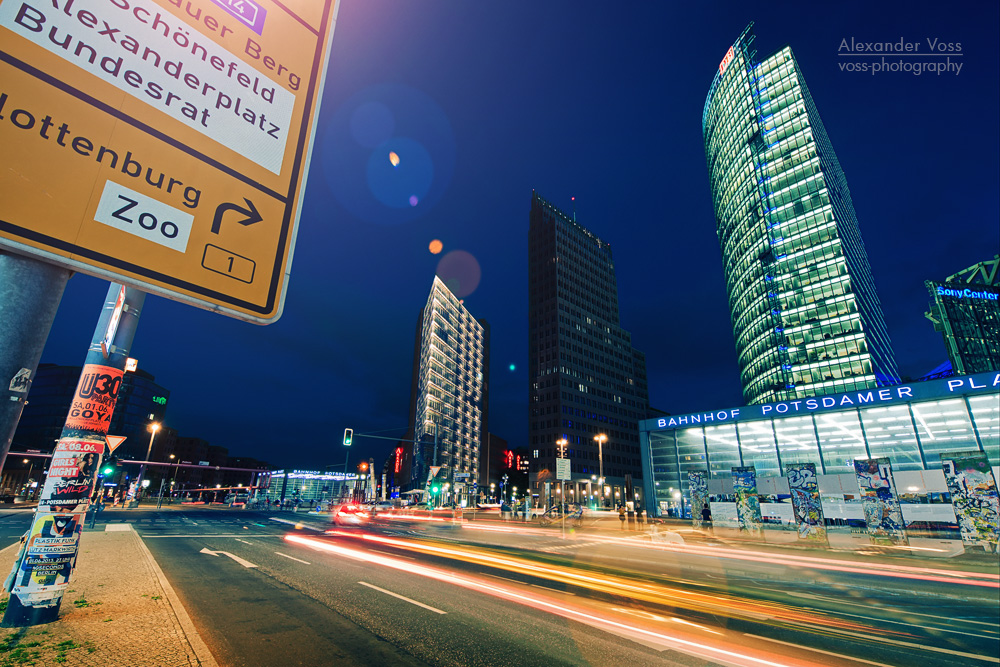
(573, 199)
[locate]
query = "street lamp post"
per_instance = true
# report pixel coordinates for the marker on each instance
(27, 480)
(153, 428)
(159, 500)
(601, 439)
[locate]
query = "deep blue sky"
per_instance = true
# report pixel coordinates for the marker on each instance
(488, 99)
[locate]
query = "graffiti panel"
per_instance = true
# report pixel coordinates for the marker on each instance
(974, 497)
(804, 488)
(698, 483)
(883, 515)
(747, 502)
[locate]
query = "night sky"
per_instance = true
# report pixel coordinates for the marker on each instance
(485, 100)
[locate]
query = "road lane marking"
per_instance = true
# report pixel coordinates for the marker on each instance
(552, 590)
(297, 524)
(147, 536)
(922, 647)
(397, 595)
(389, 553)
(244, 563)
(816, 650)
(289, 557)
(244, 541)
(895, 610)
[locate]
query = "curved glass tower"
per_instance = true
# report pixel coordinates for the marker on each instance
(805, 313)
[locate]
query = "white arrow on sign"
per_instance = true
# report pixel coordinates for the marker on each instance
(236, 558)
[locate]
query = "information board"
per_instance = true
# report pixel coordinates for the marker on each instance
(162, 143)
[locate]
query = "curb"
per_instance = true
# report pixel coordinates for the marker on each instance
(197, 644)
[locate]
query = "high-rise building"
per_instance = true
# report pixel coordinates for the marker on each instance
(585, 377)
(140, 401)
(806, 317)
(965, 308)
(447, 399)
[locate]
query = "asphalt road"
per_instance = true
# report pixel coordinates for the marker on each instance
(515, 596)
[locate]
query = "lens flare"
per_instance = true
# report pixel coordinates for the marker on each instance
(435, 247)
(393, 159)
(460, 271)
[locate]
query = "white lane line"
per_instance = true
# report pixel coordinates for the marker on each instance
(914, 625)
(243, 541)
(922, 647)
(151, 537)
(552, 590)
(895, 610)
(297, 524)
(389, 553)
(817, 650)
(397, 595)
(290, 557)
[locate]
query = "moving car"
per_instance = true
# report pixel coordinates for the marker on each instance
(350, 514)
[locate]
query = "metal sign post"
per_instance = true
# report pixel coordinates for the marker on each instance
(45, 564)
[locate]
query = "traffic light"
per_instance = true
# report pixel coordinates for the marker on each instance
(348, 436)
(110, 466)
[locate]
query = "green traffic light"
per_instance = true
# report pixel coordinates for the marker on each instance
(108, 471)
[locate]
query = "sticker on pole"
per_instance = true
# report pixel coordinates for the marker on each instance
(162, 144)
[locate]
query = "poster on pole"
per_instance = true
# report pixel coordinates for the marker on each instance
(71, 476)
(747, 502)
(94, 400)
(974, 497)
(804, 488)
(48, 556)
(698, 485)
(883, 515)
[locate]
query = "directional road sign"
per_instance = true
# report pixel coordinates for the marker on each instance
(162, 144)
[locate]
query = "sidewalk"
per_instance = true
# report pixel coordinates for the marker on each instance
(119, 610)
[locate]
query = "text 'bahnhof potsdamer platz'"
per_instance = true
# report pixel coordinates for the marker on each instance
(910, 424)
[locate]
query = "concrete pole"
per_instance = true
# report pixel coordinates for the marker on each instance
(35, 597)
(30, 291)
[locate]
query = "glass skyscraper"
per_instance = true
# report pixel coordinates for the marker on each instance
(965, 308)
(806, 317)
(586, 378)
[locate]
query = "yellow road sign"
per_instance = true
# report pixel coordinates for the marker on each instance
(162, 143)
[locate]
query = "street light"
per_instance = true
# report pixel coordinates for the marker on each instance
(601, 439)
(153, 428)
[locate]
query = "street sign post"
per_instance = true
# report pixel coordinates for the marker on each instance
(165, 145)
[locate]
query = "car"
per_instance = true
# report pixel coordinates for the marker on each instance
(350, 514)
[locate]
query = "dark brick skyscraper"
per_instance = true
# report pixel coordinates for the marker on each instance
(585, 377)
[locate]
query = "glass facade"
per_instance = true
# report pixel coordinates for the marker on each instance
(911, 425)
(805, 314)
(966, 310)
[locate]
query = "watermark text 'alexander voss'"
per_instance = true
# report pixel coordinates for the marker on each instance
(929, 56)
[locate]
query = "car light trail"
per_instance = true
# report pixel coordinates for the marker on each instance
(790, 560)
(697, 648)
(727, 606)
